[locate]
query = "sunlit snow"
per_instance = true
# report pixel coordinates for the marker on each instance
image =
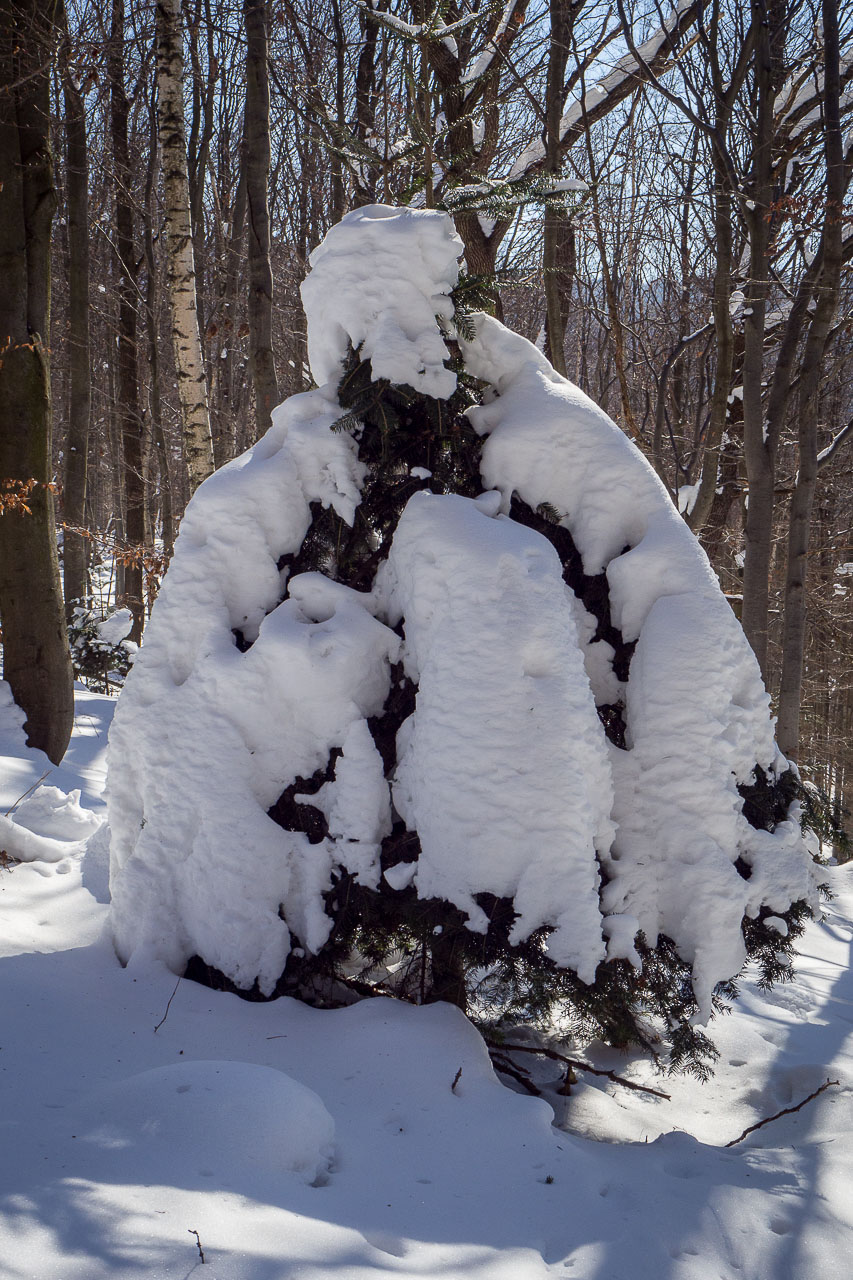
(143, 1119)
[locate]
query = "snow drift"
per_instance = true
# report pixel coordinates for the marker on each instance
(251, 678)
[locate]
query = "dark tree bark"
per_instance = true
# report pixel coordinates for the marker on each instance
(127, 383)
(75, 546)
(36, 660)
(558, 247)
(799, 526)
(759, 434)
(257, 142)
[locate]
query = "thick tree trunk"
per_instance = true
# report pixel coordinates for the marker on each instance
(75, 546)
(257, 141)
(559, 261)
(189, 363)
(36, 660)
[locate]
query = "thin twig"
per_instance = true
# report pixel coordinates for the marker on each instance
(168, 1006)
(456, 1080)
(786, 1111)
(37, 783)
(579, 1066)
(192, 1232)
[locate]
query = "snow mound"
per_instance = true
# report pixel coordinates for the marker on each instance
(47, 826)
(217, 1117)
(49, 811)
(377, 282)
(41, 823)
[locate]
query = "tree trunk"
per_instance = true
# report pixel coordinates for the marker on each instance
(152, 294)
(723, 337)
(257, 140)
(36, 660)
(794, 634)
(75, 546)
(759, 438)
(127, 398)
(189, 363)
(558, 245)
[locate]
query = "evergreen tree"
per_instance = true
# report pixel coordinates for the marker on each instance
(361, 922)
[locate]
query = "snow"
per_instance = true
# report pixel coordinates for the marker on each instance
(503, 768)
(310, 1143)
(693, 679)
(491, 641)
(115, 628)
(210, 1119)
(378, 282)
(214, 735)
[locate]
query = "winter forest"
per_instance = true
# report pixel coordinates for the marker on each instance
(425, 592)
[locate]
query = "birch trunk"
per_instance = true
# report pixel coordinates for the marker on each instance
(189, 363)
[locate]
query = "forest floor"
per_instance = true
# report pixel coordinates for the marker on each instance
(144, 1123)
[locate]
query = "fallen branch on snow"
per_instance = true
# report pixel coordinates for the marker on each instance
(166, 1014)
(786, 1111)
(572, 1064)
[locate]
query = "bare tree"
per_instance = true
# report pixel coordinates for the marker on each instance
(75, 545)
(257, 151)
(36, 661)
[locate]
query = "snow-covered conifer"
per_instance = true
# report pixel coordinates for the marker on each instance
(439, 687)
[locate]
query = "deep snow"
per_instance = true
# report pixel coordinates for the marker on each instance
(333, 1146)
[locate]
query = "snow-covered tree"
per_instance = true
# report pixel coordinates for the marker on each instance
(440, 686)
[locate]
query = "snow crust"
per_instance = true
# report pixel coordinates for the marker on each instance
(504, 769)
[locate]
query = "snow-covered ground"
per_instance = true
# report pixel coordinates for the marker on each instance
(309, 1144)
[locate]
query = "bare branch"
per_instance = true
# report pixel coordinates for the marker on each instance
(786, 1111)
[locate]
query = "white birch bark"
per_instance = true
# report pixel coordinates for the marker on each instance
(192, 384)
